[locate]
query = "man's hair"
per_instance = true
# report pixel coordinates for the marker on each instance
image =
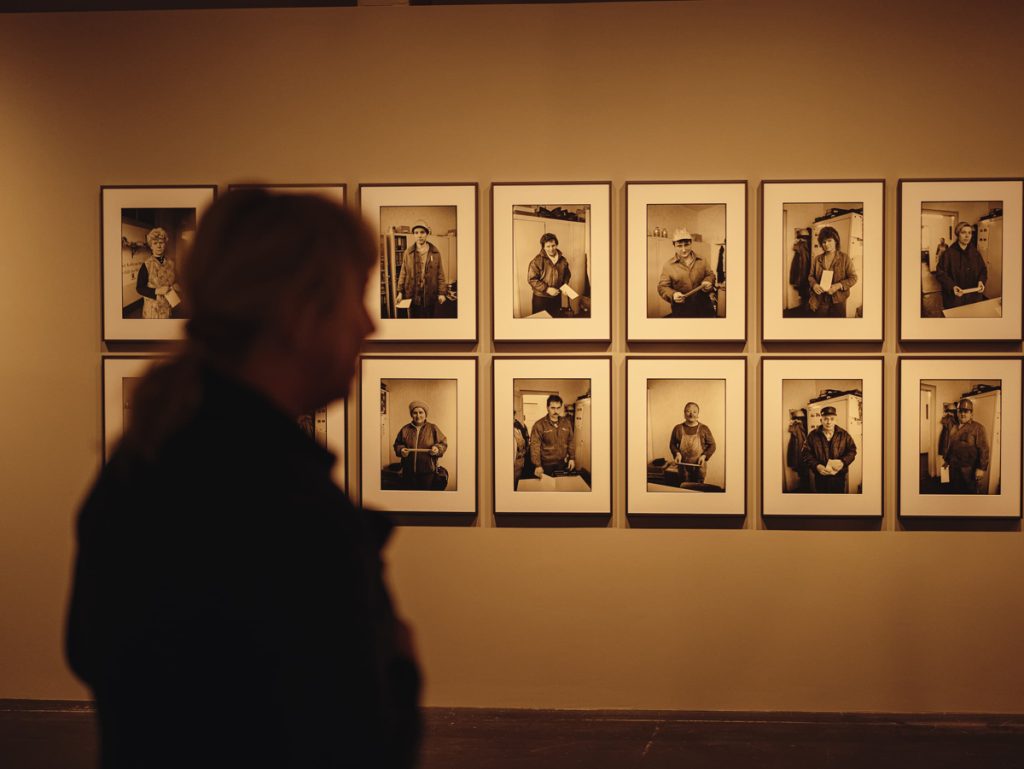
(829, 232)
(556, 398)
(546, 237)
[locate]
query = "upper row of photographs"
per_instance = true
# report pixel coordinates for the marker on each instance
(821, 261)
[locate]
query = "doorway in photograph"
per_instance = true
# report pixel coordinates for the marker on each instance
(552, 435)
(961, 436)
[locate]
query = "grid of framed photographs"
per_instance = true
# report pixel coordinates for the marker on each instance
(821, 281)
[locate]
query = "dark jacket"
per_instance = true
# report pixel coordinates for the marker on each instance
(967, 446)
(843, 275)
(551, 444)
(430, 435)
(422, 279)
(960, 267)
(228, 606)
(818, 451)
(542, 274)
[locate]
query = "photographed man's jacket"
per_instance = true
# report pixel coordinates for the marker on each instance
(818, 450)
(542, 274)
(968, 447)
(675, 276)
(422, 279)
(551, 444)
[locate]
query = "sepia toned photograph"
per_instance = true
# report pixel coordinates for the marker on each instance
(146, 235)
(960, 259)
(824, 421)
(823, 247)
(551, 261)
(686, 436)
(826, 245)
(550, 269)
(416, 412)
(683, 418)
(686, 251)
(686, 260)
(418, 432)
(426, 239)
(821, 434)
(960, 436)
(554, 454)
(552, 435)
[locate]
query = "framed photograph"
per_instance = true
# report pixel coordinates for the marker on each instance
(555, 454)
(418, 434)
(686, 436)
(960, 259)
(552, 261)
(335, 192)
(822, 260)
(821, 436)
(122, 374)
(960, 437)
(686, 256)
(145, 233)
(427, 283)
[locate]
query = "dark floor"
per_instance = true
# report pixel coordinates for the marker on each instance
(61, 736)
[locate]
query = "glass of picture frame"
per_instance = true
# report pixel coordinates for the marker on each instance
(122, 374)
(555, 454)
(821, 437)
(551, 261)
(145, 232)
(959, 437)
(960, 259)
(686, 436)
(426, 286)
(822, 260)
(692, 289)
(418, 434)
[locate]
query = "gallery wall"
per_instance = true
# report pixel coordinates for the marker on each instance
(836, 616)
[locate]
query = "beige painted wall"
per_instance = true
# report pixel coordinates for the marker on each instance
(755, 618)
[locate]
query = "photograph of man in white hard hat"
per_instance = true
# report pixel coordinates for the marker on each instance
(686, 260)
(551, 266)
(960, 436)
(419, 262)
(823, 258)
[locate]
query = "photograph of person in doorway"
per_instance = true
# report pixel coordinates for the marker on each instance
(960, 450)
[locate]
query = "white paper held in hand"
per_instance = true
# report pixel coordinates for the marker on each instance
(826, 280)
(568, 291)
(172, 298)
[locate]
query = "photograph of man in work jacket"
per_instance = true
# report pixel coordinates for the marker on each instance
(828, 454)
(967, 452)
(551, 447)
(686, 280)
(422, 277)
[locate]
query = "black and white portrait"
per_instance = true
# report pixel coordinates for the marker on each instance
(419, 420)
(550, 269)
(686, 260)
(960, 438)
(153, 243)
(962, 259)
(825, 247)
(824, 427)
(686, 435)
(552, 446)
(418, 262)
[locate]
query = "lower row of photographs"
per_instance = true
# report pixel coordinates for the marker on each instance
(823, 451)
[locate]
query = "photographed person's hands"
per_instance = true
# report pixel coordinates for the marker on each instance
(398, 298)
(434, 451)
(957, 291)
(818, 289)
(571, 464)
(678, 457)
(405, 452)
(706, 285)
(701, 460)
(822, 470)
(833, 289)
(441, 298)
(981, 287)
(678, 297)
(552, 291)
(539, 472)
(979, 474)
(161, 290)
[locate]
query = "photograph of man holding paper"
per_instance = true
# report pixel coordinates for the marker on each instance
(824, 421)
(557, 454)
(825, 243)
(960, 436)
(552, 282)
(152, 243)
(686, 260)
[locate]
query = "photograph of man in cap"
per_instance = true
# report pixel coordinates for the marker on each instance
(547, 273)
(966, 452)
(687, 280)
(419, 444)
(691, 445)
(422, 277)
(828, 454)
(551, 445)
